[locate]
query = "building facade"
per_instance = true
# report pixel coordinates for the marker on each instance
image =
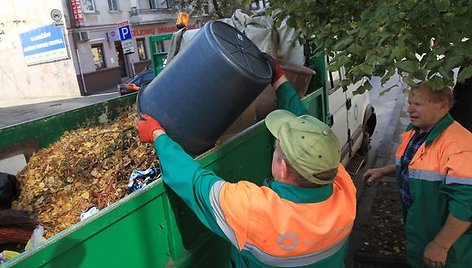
(28, 67)
(95, 31)
(68, 48)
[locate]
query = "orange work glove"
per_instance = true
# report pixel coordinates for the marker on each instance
(277, 71)
(146, 126)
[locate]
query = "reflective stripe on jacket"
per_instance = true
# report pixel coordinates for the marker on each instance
(440, 182)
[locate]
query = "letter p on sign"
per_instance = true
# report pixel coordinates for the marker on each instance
(125, 32)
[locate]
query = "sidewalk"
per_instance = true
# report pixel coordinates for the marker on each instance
(28, 101)
(385, 155)
(32, 101)
(12, 113)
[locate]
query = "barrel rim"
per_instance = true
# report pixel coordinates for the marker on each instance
(216, 44)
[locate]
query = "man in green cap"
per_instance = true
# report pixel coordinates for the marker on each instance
(300, 218)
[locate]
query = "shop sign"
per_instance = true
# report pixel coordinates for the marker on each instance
(158, 30)
(144, 32)
(77, 13)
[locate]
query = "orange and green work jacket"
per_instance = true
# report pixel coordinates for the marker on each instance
(440, 183)
(274, 225)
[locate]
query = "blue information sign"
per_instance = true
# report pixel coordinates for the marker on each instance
(125, 32)
(44, 44)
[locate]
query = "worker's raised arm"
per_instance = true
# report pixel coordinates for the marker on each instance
(287, 97)
(181, 172)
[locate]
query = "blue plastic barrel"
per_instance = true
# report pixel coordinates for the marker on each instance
(206, 86)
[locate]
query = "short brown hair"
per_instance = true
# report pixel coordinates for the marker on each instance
(443, 94)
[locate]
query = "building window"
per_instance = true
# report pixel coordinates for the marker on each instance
(140, 43)
(155, 4)
(88, 6)
(98, 57)
(159, 46)
(113, 5)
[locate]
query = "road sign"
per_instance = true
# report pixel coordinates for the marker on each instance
(126, 38)
(125, 32)
(113, 35)
(56, 15)
(123, 23)
(128, 46)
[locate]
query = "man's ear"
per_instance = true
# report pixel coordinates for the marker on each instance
(444, 106)
(284, 168)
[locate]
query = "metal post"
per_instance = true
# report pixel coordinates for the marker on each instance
(128, 68)
(129, 65)
(132, 67)
(80, 70)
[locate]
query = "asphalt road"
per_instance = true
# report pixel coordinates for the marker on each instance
(17, 114)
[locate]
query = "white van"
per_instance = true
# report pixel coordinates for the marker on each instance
(353, 120)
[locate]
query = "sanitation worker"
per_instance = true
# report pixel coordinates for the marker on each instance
(301, 217)
(434, 172)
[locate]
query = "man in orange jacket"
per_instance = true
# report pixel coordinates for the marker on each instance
(301, 217)
(435, 179)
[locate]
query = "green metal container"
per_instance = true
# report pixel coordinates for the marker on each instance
(151, 227)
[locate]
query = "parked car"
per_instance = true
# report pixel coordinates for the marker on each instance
(135, 83)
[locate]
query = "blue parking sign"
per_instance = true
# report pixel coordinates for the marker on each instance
(125, 32)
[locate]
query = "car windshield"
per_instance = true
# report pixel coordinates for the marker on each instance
(141, 78)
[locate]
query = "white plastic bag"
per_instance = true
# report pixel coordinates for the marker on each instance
(260, 29)
(36, 238)
(89, 212)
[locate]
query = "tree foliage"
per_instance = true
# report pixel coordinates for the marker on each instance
(421, 39)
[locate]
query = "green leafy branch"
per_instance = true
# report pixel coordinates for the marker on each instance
(422, 40)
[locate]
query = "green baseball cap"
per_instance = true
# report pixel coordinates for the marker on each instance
(309, 145)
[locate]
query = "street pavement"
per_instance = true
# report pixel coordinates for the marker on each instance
(11, 114)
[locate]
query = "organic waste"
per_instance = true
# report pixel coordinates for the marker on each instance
(85, 167)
